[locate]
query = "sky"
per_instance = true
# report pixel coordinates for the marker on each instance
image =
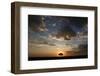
(56, 33)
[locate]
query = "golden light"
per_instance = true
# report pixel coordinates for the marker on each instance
(60, 53)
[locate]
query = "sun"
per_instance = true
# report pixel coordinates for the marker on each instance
(60, 53)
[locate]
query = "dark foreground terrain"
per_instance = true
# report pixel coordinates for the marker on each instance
(54, 58)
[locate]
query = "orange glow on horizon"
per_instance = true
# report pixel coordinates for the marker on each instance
(60, 53)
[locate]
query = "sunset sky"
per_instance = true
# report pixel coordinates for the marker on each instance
(48, 35)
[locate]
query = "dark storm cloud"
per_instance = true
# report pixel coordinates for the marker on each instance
(71, 27)
(66, 31)
(58, 26)
(83, 47)
(36, 23)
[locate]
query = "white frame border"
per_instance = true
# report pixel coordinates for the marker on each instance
(25, 64)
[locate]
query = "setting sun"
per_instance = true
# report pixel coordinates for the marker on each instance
(60, 53)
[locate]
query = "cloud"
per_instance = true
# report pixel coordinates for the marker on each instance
(66, 32)
(51, 44)
(55, 38)
(36, 23)
(50, 30)
(41, 41)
